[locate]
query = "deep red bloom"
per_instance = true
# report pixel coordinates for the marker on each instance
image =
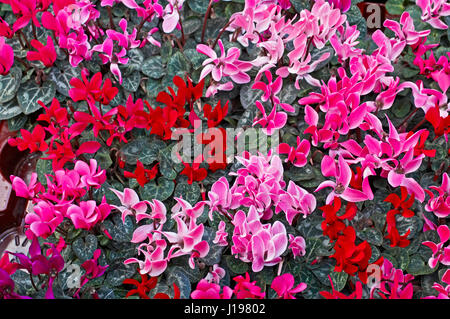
(333, 224)
(194, 172)
(34, 141)
(215, 116)
(334, 294)
(54, 114)
(143, 287)
(141, 174)
(441, 124)
(401, 207)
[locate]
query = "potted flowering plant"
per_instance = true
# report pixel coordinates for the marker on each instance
(173, 149)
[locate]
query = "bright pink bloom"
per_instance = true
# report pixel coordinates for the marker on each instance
(46, 54)
(432, 10)
(86, 215)
(440, 205)
(24, 190)
(444, 293)
(155, 263)
(215, 274)
(209, 290)
(284, 286)
(405, 29)
(272, 122)
(296, 201)
(43, 220)
(91, 175)
(107, 55)
(296, 155)
(440, 253)
(6, 57)
(246, 289)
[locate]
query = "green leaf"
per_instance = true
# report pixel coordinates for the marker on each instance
(136, 57)
(214, 255)
(84, 247)
(235, 265)
(118, 272)
(62, 75)
(144, 149)
(9, 84)
(395, 7)
(190, 193)
(179, 278)
(194, 275)
(177, 65)
(119, 231)
(300, 5)
(194, 57)
(339, 279)
(103, 158)
(191, 24)
(198, 6)
(131, 81)
(161, 190)
(30, 93)
(371, 235)
(417, 266)
(153, 67)
(248, 96)
(17, 122)
(9, 110)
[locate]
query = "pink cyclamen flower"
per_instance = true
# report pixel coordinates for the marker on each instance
(24, 190)
(440, 205)
(296, 201)
(131, 204)
(440, 253)
(91, 175)
(221, 235)
(86, 215)
(106, 54)
(297, 245)
(444, 293)
(220, 197)
(215, 274)
(283, 285)
(125, 40)
(394, 283)
(343, 175)
(296, 155)
(6, 57)
(405, 29)
(43, 220)
(432, 10)
(225, 65)
(209, 290)
(343, 5)
(155, 263)
(272, 122)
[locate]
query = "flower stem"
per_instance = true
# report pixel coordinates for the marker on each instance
(208, 11)
(221, 32)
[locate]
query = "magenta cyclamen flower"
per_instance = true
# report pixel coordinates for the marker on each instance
(394, 283)
(296, 155)
(405, 29)
(343, 175)
(444, 293)
(297, 245)
(86, 215)
(154, 263)
(284, 286)
(440, 253)
(24, 190)
(440, 205)
(220, 197)
(272, 122)
(107, 55)
(43, 220)
(209, 290)
(6, 57)
(91, 175)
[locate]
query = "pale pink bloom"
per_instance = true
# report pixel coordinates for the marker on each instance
(210, 290)
(217, 86)
(389, 48)
(220, 197)
(343, 175)
(297, 245)
(432, 10)
(262, 245)
(171, 15)
(131, 204)
(155, 263)
(284, 286)
(185, 210)
(440, 253)
(158, 213)
(272, 122)
(296, 155)
(221, 235)
(215, 274)
(444, 293)
(91, 175)
(225, 65)
(43, 220)
(440, 205)
(405, 29)
(296, 201)
(187, 240)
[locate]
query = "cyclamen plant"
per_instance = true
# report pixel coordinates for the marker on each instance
(342, 190)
